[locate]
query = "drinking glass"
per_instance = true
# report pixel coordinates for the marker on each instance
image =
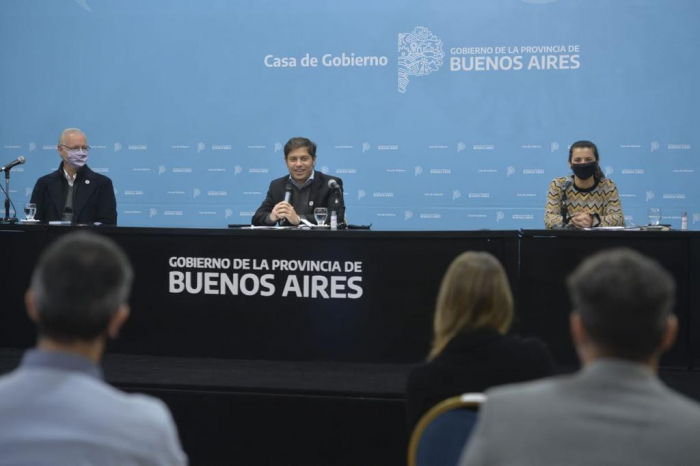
(30, 211)
(654, 216)
(320, 215)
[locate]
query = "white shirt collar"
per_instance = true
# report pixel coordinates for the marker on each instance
(68, 177)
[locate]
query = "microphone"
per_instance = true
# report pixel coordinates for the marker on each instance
(565, 203)
(18, 161)
(334, 186)
(287, 198)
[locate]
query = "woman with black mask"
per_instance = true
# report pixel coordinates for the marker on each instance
(586, 199)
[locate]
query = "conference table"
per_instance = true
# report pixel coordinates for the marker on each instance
(346, 296)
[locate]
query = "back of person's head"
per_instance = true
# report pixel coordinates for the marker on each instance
(624, 300)
(80, 282)
(474, 293)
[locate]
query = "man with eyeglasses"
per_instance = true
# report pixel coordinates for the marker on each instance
(74, 193)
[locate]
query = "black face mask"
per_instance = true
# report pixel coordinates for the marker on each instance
(583, 171)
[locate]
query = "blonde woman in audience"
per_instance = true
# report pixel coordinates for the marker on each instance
(471, 349)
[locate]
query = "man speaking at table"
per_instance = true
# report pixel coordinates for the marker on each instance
(74, 193)
(293, 197)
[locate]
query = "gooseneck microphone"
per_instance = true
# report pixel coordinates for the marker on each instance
(18, 161)
(565, 203)
(6, 168)
(334, 186)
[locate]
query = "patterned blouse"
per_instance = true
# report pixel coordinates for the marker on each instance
(601, 200)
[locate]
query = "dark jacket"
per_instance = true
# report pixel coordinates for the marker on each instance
(472, 362)
(321, 196)
(93, 197)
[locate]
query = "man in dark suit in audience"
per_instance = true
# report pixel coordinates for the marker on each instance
(56, 408)
(306, 188)
(74, 193)
(615, 411)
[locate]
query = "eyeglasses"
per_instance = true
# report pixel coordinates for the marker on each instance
(85, 148)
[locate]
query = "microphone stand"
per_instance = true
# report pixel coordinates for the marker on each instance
(565, 218)
(7, 200)
(336, 206)
(564, 211)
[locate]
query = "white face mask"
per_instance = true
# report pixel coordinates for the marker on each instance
(77, 157)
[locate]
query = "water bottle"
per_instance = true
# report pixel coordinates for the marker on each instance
(684, 221)
(334, 220)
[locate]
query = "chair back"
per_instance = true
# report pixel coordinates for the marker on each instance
(440, 435)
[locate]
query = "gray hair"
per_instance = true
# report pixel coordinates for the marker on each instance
(62, 138)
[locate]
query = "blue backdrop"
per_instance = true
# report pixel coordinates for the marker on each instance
(437, 115)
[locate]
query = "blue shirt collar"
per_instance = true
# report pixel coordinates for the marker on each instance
(37, 358)
(306, 183)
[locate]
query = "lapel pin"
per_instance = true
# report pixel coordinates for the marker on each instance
(87, 181)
